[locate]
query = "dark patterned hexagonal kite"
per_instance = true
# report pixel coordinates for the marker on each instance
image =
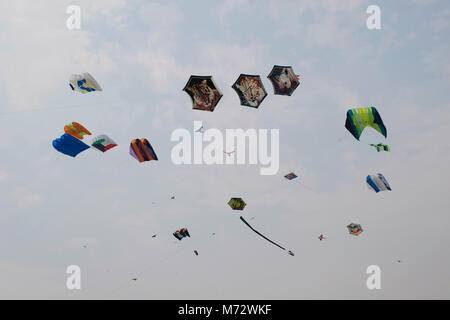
(250, 90)
(284, 80)
(237, 203)
(203, 91)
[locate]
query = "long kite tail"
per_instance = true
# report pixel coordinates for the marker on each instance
(261, 234)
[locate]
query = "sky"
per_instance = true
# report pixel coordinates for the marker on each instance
(142, 54)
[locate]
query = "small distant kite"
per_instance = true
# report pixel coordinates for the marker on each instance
(381, 147)
(77, 130)
(84, 83)
(172, 197)
(237, 203)
(284, 80)
(134, 279)
(182, 233)
(354, 229)
(203, 91)
(196, 252)
(321, 237)
(142, 150)
(69, 145)
(154, 236)
(250, 90)
(291, 253)
(377, 183)
(290, 176)
(103, 143)
(358, 119)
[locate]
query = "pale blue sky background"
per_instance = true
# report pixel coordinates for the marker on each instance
(142, 53)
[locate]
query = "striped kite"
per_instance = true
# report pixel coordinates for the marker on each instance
(142, 150)
(77, 130)
(381, 147)
(358, 119)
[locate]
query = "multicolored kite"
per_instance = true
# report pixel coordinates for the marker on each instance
(77, 130)
(290, 176)
(182, 233)
(284, 80)
(142, 150)
(381, 147)
(103, 143)
(354, 229)
(84, 83)
(203, 91)
(250, 90)
(358, 119)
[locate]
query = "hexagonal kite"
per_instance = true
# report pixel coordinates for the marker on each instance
(237, 203)
(284, 80)
(354, 229)
(203, 91)
(250, 90)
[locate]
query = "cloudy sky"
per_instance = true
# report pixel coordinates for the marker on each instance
(142, 54)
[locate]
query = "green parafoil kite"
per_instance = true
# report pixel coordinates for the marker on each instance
(358, 119)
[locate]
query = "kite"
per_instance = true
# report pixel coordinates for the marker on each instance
(290, 176)
(381, 147)
(358, 119)
(103, 143)
(284, 80)
(69, 145)
(84, 83)
(354, 229)
(77, 130)
(321, 237)
(204, 93)
(248, 225)
(196, 252)
(237, 203)
(142, 150)
(250, 90)
(377, 183)
(182, 233)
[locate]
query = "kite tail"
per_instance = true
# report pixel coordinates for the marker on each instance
(261, 234)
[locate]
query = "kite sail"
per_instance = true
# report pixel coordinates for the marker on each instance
(284, 80)
(250, 90)
(103, 143)
(237, 203)
(77, 130)
(358, 119)
(69, 145)
(354, 229)
(248, 225)
(182, 233)
(84, 83)
(381, 147)
(142, 150)
(203, 91)
(290, 176)
(377, 183)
